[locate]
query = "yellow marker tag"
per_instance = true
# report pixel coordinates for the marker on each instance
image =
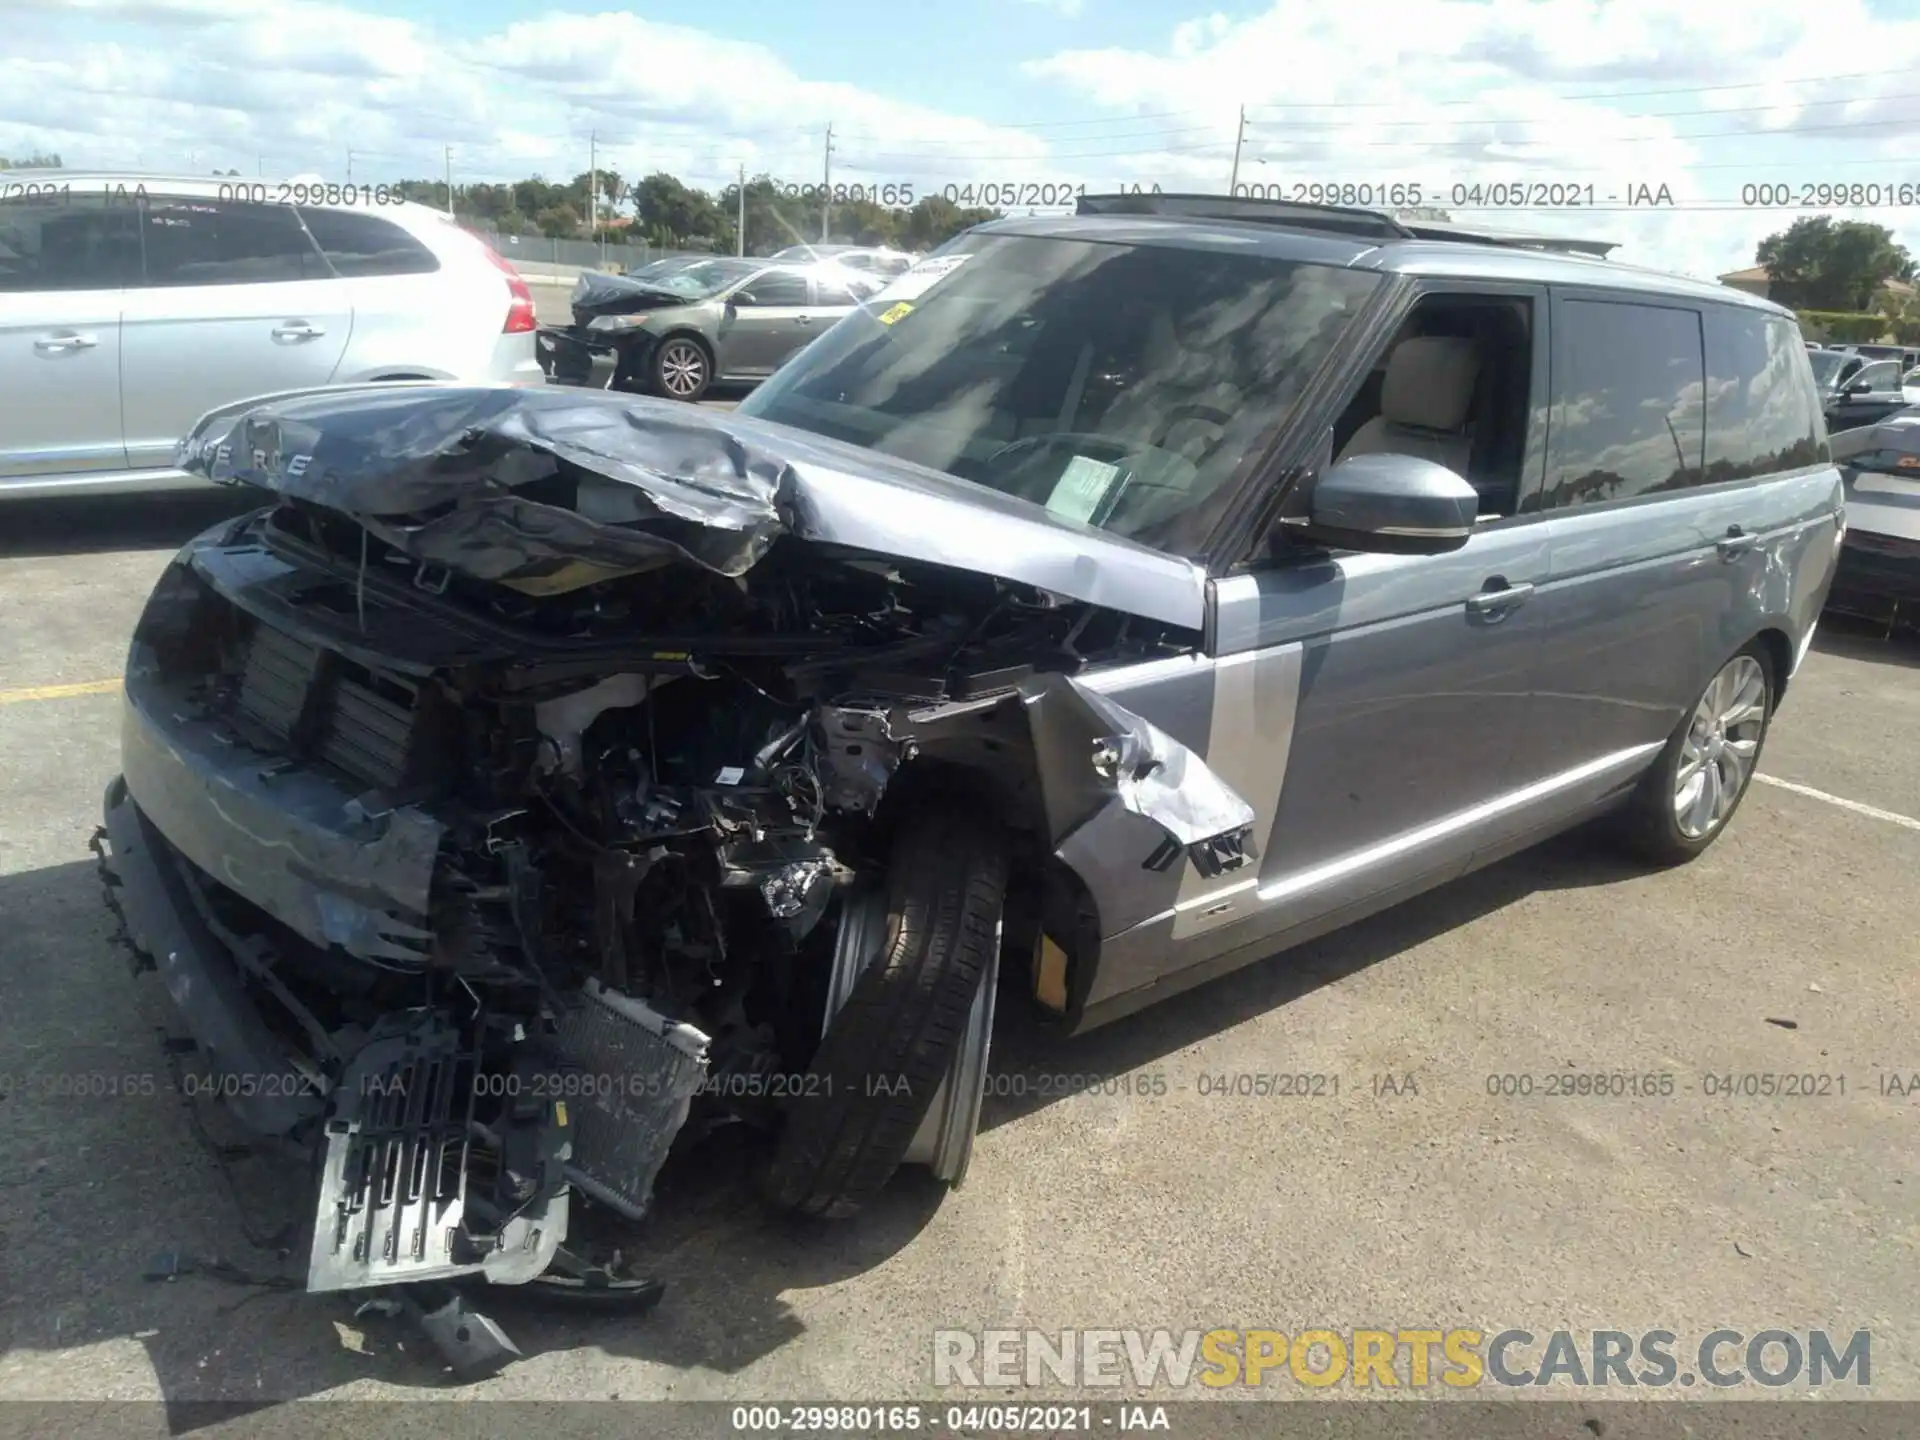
(560, 1113)
(896, 312)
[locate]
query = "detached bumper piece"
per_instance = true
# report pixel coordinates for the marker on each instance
(394, 1205)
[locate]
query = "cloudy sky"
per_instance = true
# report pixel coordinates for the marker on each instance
(1703, 97)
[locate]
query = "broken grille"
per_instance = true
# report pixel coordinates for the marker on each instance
(393, 1192)
(306, 700)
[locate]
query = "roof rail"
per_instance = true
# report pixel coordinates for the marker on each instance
(1474, 235)
(1340, 219)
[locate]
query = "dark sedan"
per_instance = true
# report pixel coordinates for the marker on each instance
(676, 333)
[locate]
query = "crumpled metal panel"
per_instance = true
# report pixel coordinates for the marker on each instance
(1092, 749)
(595, 288)
(512, 484)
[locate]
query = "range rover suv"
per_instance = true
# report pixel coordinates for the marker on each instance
(1114, 600)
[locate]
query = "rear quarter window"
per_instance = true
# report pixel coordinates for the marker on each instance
(358, 244)
(1763, 409)
(1629, 379)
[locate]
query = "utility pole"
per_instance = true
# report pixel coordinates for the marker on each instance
(740, 228)
(593, 180)
(1239, 135)
(826, 188)
(260, 165)
(449, 182)
(349, 167)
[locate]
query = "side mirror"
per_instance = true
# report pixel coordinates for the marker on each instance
(1392, 505)
(1857, 387)
(741, 297)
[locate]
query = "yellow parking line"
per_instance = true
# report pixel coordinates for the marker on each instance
(58, 692)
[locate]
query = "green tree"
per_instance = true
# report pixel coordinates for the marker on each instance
(936, 220)
(1820, 264)
(671, 213)
(35, 161)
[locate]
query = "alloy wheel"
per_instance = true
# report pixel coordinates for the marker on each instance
(1723, 741)
(683, 369)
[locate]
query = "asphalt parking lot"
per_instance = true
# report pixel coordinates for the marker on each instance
(1788, 949)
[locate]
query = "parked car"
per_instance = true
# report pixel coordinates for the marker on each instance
(1907, 355)
(131, 305)
(675, 334)
(1879, 571)
(1868, 395)
(869, 259)
(1832, 369)
(1117, 600)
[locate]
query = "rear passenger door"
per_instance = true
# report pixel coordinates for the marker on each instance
(236, 302)
(64, 263)
(1652, 565)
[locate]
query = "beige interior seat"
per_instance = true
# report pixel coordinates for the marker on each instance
(1424, 403)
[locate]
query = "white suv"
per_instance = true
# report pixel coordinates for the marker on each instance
(131, 305)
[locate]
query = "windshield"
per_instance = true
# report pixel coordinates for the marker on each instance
(1117, 385)
(702, 278)
(1826, 365)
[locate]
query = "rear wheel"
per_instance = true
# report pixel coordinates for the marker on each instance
(682, 368)
(890, 1048)
(1685, 801)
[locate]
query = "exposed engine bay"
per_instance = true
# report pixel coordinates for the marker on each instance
(528, 848)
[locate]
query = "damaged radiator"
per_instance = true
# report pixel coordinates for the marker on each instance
(638, 1074)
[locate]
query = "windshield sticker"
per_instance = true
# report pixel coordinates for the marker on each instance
(896, 312)
(922, 278)
(1082, 490)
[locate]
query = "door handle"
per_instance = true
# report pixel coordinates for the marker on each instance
(1498, 597)
(297, 330)
(60, 344)
(1735, 543)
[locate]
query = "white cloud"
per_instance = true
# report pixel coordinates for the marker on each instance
(1453, 92)
(1444, 92)
(1068, 8)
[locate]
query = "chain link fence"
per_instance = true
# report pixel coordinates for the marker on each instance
(535, 251)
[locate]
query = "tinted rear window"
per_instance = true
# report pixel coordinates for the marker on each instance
(67, 243)
(1629, 381)
(1763, 412)
(361, 244)
(225, 242)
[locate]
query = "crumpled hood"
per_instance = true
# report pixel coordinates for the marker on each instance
(596, 292)
(509, 484)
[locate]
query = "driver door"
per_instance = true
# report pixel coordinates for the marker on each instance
(768, 318)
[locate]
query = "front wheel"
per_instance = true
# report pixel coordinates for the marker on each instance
(890, 1049)
(682, 368)
(1685, 801)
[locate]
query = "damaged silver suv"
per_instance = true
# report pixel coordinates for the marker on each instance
(543, 777)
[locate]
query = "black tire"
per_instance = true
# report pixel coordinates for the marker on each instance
(1647, 826)
(671, 357)
(889, 1047)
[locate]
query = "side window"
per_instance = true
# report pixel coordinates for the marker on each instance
(1881, 375)
(1763, 412)
(223, 242)
(779, 287)
(67, 244)
(1629, 381)
(828, 292)
(359, 244)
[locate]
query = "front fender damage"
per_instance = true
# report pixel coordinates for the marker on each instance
(1123, 796)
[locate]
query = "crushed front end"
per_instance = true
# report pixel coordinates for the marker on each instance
(500, 803)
